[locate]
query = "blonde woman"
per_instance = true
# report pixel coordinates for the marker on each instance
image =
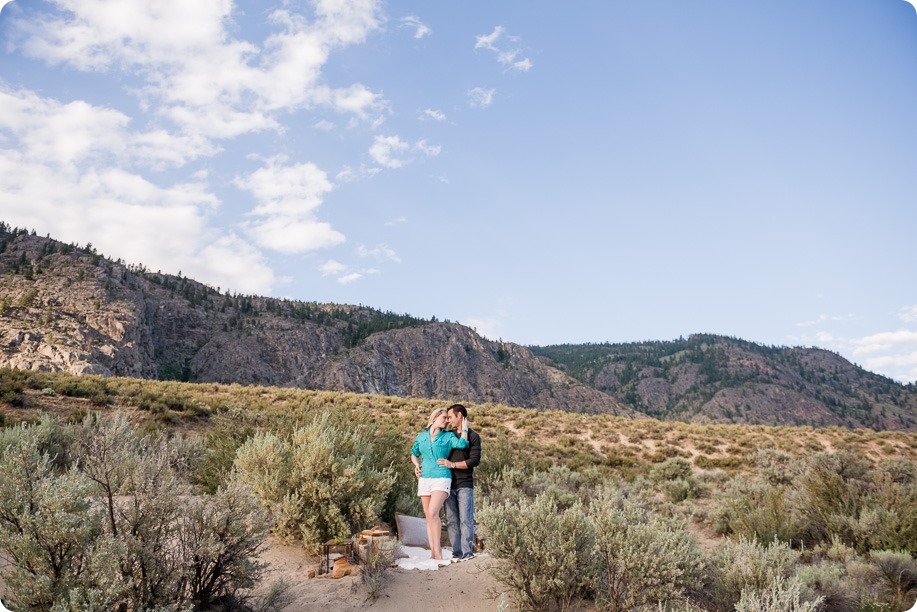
(434, 480)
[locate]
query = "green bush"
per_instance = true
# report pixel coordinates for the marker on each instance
(828, 580)
(746, 565)
(545, 553)
(898, 573)
(322, 480)
(756, 510)
(117, 528)
(644, 558)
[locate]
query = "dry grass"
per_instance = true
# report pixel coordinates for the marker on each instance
(549, 437)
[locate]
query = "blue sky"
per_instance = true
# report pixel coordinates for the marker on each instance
(544, 172)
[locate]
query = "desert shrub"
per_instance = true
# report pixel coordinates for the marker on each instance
(511, 484)
(746, 565)
(218, 538)
(49, 532)
(776, 467)
(544, 552)
(676, 479)
(828, 580)
(754, 509)
(320, 480)
(230, 430)
(374, 571)
(671, 469)
(48, 436)
(117, 529)
(898, 573)
(643, 558)
(781, 594)
(901, 470)
(829, 495)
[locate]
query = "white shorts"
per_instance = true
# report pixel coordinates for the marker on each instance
(425, 486)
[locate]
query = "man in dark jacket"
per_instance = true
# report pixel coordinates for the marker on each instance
(460, 503)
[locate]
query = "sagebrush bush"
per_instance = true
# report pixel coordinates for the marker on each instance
(898, 572)
(781, 594)
(643, 558)
(747, 565)
(321, 481)
(756, 510)
(828, 580)
(545, 553)
(118, 528)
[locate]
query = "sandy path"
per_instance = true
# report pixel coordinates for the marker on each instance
(468, 582)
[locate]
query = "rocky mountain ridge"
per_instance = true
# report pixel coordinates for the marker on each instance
(715, 379)
(69, 308)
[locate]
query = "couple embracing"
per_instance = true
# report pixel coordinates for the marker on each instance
(444, 461)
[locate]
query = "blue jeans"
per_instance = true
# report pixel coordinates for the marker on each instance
(460, 520)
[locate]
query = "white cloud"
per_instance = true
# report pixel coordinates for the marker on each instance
(435, 115)
(391, 151)
(505, 49)
(288, 197)
(385, 149)
(885, 341)
(824, 318)
(480, 97)
(323, 125)
(908, 314)
(420, 29)
(349, 278)
(487, 327)
(332, 267)
(394, 222)
(197, 74)
(486, 41)
(428, 149)
(381, 252)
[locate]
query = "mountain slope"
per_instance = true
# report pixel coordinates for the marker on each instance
(70, 309)
(708, 378)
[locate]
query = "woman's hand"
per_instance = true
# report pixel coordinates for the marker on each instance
(416, 471)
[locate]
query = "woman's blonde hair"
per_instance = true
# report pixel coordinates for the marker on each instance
(433, 416)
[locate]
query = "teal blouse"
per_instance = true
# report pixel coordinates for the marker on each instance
(438, 448)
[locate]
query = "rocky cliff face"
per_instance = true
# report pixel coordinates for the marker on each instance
(68, 309)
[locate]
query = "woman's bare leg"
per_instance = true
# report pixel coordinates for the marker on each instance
(425, 502)
(434, 524)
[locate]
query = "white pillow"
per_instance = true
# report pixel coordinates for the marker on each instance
(412, 530)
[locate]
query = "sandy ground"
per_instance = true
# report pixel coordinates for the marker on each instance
(468, 585)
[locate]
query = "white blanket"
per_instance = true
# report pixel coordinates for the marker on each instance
(419, 558)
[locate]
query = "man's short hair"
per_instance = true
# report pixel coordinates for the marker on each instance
(459, 409)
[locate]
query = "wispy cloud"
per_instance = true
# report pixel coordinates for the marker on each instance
(435, 115)
(505, 48)
(826, 318)
(392, 152)
(420, 29)
(394, 222)
(380, 252)
(197, 74)
(908, 314)
(479, 97)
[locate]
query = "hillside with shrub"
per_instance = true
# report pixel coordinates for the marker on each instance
(68, 308)
(715, 379)
(71, 309)
(133, 482)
